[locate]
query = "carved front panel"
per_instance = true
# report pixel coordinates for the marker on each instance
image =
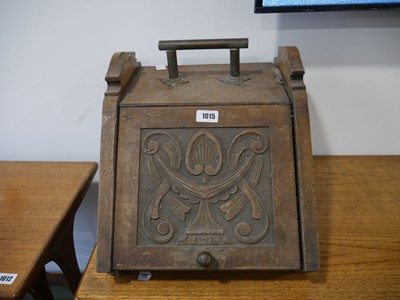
(205, 187)
(193, 195)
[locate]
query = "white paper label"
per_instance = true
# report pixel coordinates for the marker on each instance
(144, 275)
(7, 278)
(207, 116)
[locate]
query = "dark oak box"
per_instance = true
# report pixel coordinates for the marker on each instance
(205, 170)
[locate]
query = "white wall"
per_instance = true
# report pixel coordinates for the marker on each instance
(54, 55)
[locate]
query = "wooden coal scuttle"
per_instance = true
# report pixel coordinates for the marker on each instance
(208, 168)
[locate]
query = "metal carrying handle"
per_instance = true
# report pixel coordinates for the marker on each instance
(233, 44)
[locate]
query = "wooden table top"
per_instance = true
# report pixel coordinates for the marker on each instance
(37, 201)
(358, 206)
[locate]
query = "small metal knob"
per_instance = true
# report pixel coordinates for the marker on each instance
(204, 259)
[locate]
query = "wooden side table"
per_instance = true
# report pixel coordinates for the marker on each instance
(358, 205)
(38, 202)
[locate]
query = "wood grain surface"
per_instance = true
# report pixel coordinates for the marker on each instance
(38, 201)
(358, 208)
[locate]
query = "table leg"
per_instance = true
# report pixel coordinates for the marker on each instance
(65, 257)
(40, 288)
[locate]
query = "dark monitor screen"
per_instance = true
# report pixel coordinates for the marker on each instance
(271, 6)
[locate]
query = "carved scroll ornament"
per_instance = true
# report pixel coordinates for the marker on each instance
(198, 188)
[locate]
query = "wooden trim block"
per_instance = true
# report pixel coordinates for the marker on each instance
(291, 68)
(123, 67)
